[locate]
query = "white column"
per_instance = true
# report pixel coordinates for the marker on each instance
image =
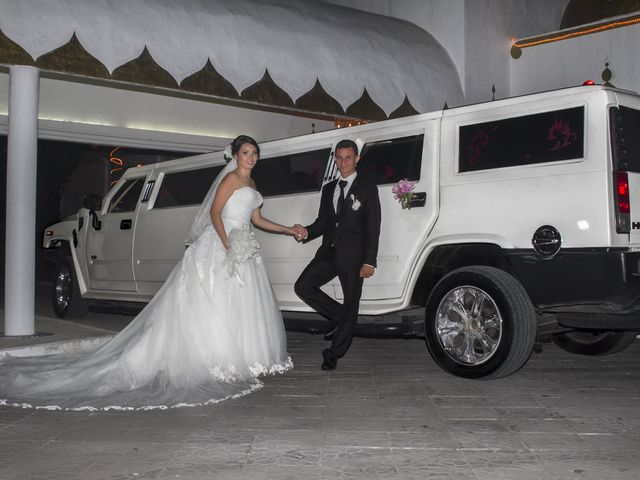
(22, 150)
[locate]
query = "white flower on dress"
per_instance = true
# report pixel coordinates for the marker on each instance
(355, 203)
(242, 246)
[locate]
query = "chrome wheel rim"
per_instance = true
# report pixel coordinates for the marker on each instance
(63, 289)
(469, 325)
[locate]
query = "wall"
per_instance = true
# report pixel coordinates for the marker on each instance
(110, 111)
(533, 17)
(487, 39)
(571, 62)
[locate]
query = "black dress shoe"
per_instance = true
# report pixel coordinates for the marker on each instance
(328, 335)
(327, 365)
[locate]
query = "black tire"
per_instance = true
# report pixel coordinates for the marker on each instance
(480, 307)
(66, 298)
(594, 343)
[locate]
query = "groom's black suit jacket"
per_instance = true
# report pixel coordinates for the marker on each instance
(354, 234)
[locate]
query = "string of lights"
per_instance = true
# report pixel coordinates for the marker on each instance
(518, 45)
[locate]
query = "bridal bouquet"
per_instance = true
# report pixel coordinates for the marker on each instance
(403, 192)
(242, 246)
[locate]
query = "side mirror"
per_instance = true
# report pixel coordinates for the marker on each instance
(92, 202)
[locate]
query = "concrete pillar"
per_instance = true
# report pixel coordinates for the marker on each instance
(22, 150)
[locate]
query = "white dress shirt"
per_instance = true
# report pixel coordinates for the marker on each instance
(336, 192)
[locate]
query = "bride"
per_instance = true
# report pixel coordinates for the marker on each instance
(206, 336)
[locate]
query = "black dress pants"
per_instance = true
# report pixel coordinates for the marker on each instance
(321, 270)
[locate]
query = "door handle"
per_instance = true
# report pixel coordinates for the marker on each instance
(419, 199)
(125, 224)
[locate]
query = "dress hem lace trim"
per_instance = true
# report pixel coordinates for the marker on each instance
(88, 408)
(257, 370)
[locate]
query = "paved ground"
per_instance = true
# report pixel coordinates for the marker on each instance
(388, 412)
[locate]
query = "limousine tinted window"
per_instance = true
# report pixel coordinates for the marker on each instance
(126, 198)
(388, 161)
(184, 188)
(292, 173)
(540, 138)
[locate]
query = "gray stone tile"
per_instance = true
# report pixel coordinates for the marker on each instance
(510, 473)
(449, 387)
(586, 469)
(501, 458)
(274, 453)
(225, 436)
(461, 427)
(612, 442)
(554, 441)
(450, 401)
(525, 412)
(361, 439)
(430, 439)
(299, 400)
(467, 413)
(598, 425)
(425, 458)
(376, 424)
(12, 454)
(202, 472)
(289, 437)
(207, 453)
(278, 472)
(354, 389)
(354, 462)
(435, 473)
(489, 441)
(355, 455)
(539, 425)
(292, 423)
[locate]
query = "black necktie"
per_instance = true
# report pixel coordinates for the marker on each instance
(341, 184)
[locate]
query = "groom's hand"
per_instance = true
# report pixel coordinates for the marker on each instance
(301, 232)
(367, 271)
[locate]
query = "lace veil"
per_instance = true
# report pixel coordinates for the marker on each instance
(203, 217)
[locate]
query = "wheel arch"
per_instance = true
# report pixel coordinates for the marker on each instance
(66, 251)
(445, 258)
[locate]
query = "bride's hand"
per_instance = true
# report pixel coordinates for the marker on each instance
(299, 232)
(292, 231)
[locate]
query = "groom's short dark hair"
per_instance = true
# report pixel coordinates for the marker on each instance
(348, 144)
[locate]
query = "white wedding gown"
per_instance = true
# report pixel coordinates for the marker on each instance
(206, 336)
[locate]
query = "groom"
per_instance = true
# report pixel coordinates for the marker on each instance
(349, 223)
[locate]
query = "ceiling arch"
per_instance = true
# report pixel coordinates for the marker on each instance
(293, 54)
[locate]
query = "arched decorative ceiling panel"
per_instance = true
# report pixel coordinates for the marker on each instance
(362, 62)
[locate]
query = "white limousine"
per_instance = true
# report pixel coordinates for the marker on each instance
(524, 227)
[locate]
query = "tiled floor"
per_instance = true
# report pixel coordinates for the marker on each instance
(388, 412)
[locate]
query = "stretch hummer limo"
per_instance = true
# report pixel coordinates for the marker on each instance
(524, 226)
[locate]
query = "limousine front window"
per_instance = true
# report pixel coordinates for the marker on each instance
(180, 189)
(388, 161)
(126, 198)
(530, 139)
(291, 173)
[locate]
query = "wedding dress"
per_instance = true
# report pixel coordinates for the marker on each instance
(206, 336)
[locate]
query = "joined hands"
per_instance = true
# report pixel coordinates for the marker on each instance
(299, 232)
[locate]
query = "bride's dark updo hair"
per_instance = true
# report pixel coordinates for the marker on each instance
(241, 140)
